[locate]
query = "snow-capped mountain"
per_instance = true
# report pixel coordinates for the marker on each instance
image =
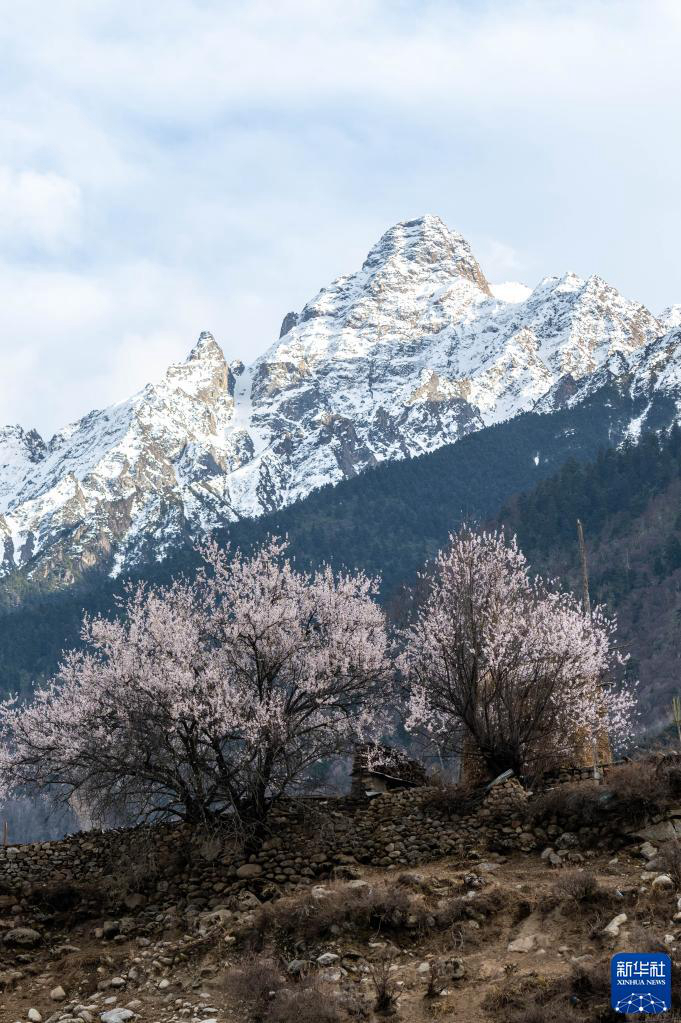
(412, 351)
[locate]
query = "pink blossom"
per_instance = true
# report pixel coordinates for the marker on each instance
(210, 697)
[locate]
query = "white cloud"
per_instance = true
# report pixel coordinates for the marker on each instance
(499, 259)
(186, 164)
(40, 210)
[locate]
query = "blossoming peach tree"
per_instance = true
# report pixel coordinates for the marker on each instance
(207, 698)
(508, 661)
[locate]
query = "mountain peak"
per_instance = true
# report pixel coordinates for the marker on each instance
(396, 359)
(423, 243)
(670, 317)
(204, 373)
(206, 347)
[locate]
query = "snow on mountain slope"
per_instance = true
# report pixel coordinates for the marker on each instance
(412, 351)
(670, 317)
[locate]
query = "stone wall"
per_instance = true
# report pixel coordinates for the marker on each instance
(309, 840)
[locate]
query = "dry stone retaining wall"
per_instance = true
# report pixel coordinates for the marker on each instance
(308, 840)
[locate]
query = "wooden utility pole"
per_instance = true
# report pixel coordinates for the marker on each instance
(586, 604)
(676, 715)
(5, 833)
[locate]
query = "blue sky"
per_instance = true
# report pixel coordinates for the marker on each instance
(175, 166)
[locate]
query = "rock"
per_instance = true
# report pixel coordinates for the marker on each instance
(34, 1016)
(57, 994)
(661, 832)
(117, 982)
(164, 984)
(248, 870)
(567, 841)
(663, 881)
(296, 967)
(247, 900)
(327, 958)
(523, 944)
(454, 969)
(9, 978)
(217, 916)
(648, 851)
(613, 928)
(134, 901)
(358, 883)
(110, 928)
(116, 1016)
(26, 937)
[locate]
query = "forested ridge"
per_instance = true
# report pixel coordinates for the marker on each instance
(388, 521)
(393, 518)
(629, 501)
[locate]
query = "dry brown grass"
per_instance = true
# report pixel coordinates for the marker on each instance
(270, 996)
(635, 790)
(670, 860)
(375, 909)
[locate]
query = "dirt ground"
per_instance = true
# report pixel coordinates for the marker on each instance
(185, 977)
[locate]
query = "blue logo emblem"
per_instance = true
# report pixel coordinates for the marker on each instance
(641, 982)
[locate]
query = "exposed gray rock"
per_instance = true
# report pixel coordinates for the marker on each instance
(410, 352)
(24, 937)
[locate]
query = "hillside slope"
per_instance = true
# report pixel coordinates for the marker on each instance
(629, 502)
(387, 521)
(411, 352)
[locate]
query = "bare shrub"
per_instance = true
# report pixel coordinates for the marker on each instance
(643, 934)
(255, 983)
(582, 800)
(376, 908)
(451, 799)
(673, 780)
(437, 982)
(385, 986)
(304, 1003)
(637, 789)
(579, 886)
(515, 994)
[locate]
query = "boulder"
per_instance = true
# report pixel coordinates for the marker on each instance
(248, 870)
(613, 928)
(327, 958)
(523, 944)
(116, 1016)
(25, 937)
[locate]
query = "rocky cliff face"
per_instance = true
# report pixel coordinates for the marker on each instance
(411, 352)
